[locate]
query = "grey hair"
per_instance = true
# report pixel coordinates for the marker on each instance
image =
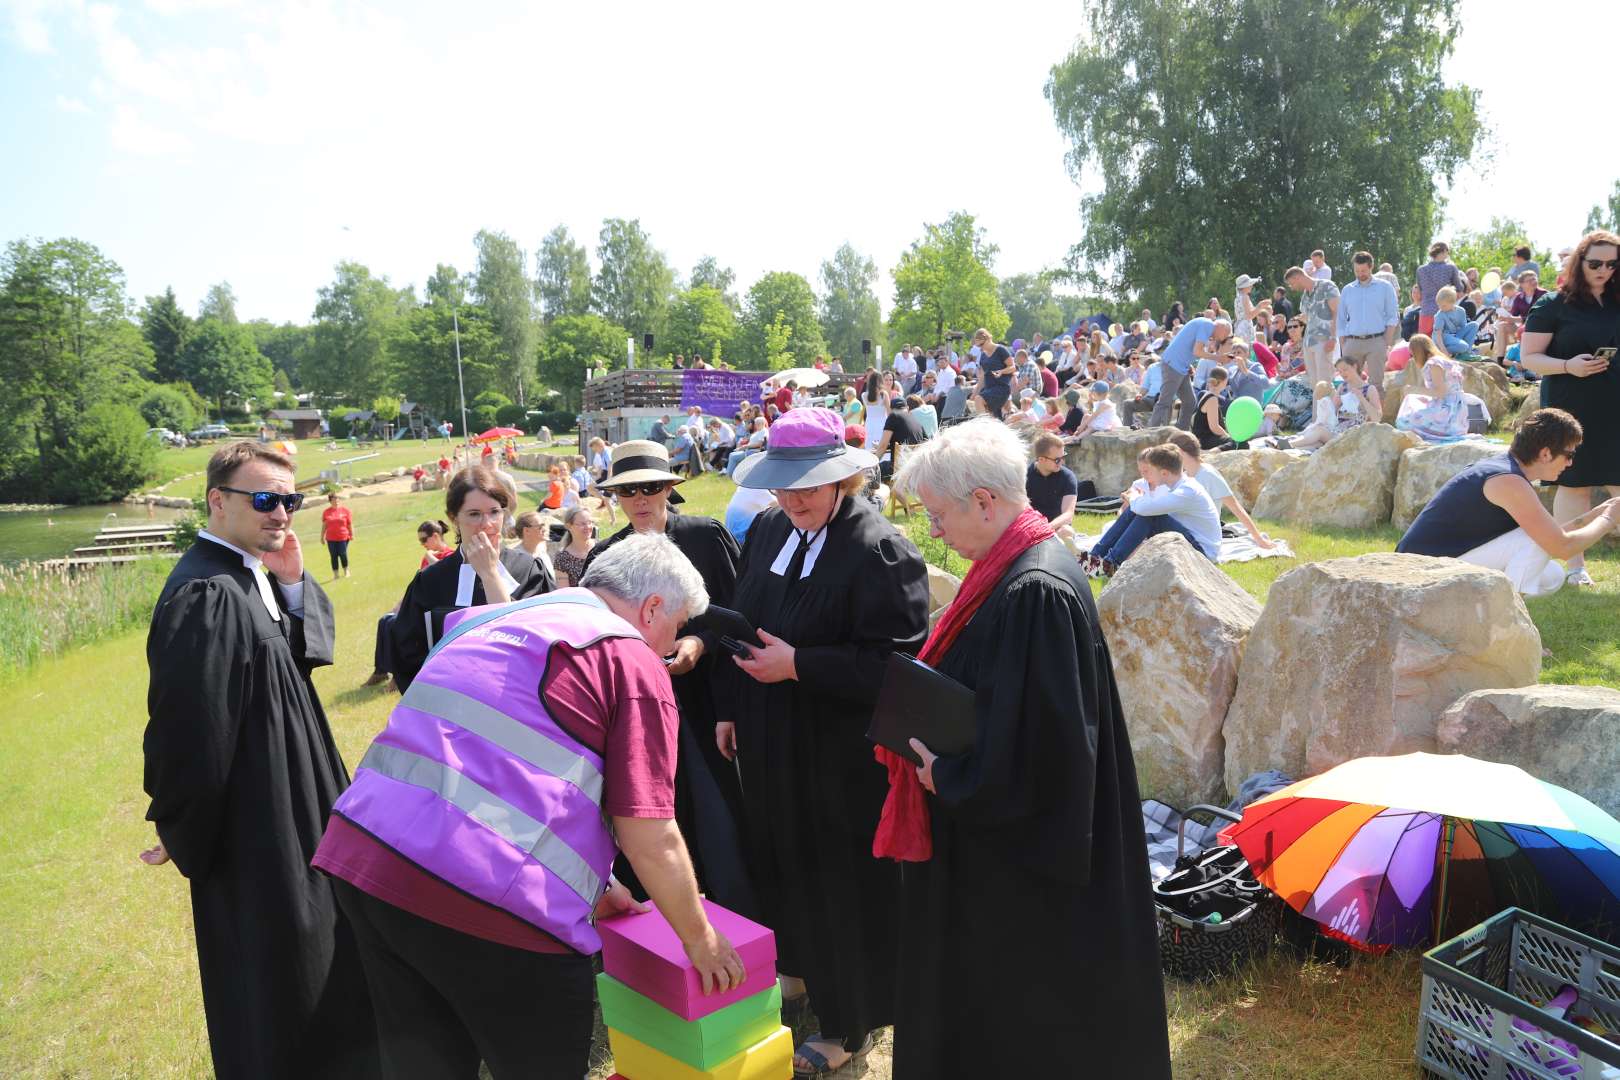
(644, 565)
(982, 453)
(1224, 322)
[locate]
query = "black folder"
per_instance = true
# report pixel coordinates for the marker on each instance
(917, 702)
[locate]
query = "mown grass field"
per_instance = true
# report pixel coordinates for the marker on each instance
(97, 970)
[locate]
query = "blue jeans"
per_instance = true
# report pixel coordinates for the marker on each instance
(1128, 531)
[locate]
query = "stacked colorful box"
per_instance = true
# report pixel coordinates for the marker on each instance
(660, 1024)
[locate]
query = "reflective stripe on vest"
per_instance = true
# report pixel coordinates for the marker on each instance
(477, 802)
(515, 737)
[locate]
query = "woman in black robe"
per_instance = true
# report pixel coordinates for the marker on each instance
(480, 572)
(833, 589)
(708, 797)
(1029, 946)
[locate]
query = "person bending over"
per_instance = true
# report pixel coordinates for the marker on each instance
(1490, 515)
(1167, 501)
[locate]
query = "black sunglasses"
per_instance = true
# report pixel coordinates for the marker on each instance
(1602, 264)
(265, 501)
(641, 489)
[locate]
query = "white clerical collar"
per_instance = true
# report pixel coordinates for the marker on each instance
(812, 553)
(261, 577)
(467, 577)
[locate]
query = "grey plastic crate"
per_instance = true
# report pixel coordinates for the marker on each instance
(1479, 1020)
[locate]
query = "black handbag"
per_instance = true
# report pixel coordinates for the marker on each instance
(1212, 914)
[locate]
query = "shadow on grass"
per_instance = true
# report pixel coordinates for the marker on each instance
(1279, 1017)
(358, 695)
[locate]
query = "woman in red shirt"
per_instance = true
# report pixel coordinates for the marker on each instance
(337, 529)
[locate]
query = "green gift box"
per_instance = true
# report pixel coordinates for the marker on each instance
(702, 1043)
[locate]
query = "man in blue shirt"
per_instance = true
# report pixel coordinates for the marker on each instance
(1369, 318)
(1199, 339)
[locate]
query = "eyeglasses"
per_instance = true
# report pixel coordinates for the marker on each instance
(1053, 460)
(626, 490)
(1602, 264)
(266, 501)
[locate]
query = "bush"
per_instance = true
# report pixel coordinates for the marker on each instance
(481, 417)
(558, 421)
(168, 407)
(106, 457)
(186, 528)
(493, 398)
(510, 416)
(337, 425)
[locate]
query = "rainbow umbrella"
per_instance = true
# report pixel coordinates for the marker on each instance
(1386, 851)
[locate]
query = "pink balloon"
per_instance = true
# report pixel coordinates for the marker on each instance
(1398, 356)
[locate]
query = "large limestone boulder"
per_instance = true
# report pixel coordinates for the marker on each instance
(1175, 626)
(1108, 458)
(1360, 656)
(1247, 471)
(1349, 483)
(1527, 405)
(1566, 735)
(1120, 393)
(942, 587)
(1425, 469)
(1488, 382)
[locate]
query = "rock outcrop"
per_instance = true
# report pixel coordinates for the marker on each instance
(1360, 656)
(1175, 625)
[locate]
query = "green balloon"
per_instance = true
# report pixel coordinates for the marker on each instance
(1243, 419)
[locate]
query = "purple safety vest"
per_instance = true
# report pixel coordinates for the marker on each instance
(473, 781)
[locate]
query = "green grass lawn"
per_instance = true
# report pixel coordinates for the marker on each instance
(97, 970)
(312, 457)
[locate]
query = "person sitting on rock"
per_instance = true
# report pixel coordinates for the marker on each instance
(1101, 415)
(1490, 515)
(1166, 502)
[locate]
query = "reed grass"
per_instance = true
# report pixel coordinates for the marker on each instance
(45, 610)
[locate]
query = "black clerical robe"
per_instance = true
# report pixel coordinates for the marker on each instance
(242, 772)
(708, 797)
(812, 789)
(1029, 946)
(432, 594)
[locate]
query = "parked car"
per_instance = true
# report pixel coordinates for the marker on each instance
(165, 437)
(211, 431)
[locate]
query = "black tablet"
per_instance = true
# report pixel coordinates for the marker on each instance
(917, 702)
(736, 633)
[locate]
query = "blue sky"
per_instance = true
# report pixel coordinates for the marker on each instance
(204, 140)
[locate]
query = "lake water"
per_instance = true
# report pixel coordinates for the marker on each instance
(52, 534)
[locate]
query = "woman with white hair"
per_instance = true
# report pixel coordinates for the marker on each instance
(471, 853)
(1029, 935)
(833, 590)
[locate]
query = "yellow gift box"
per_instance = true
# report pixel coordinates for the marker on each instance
(769, 1059)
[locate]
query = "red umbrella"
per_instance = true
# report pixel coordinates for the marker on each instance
(496, 433)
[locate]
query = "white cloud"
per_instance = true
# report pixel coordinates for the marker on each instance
(71, 105)
(127, 65)
(134, 135)
(28, 26)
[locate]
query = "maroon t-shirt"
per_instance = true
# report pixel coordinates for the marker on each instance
(1049, 383)
(615, 697)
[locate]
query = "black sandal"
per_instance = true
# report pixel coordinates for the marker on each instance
(856, 1064)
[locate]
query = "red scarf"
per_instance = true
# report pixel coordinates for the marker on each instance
(903, 831)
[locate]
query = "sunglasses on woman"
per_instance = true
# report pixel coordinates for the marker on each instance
(1602, 264)
(640, 489)
(266, 501)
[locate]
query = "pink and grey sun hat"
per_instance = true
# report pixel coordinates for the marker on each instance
(805, 448)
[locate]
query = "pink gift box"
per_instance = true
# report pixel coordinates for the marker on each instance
(643, 952)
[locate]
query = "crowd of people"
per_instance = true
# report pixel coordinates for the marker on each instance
(578, 736)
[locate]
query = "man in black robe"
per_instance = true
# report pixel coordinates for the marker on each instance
(242, 772)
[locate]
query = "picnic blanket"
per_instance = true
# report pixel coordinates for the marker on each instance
(1233, 548)
(1161, 820)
